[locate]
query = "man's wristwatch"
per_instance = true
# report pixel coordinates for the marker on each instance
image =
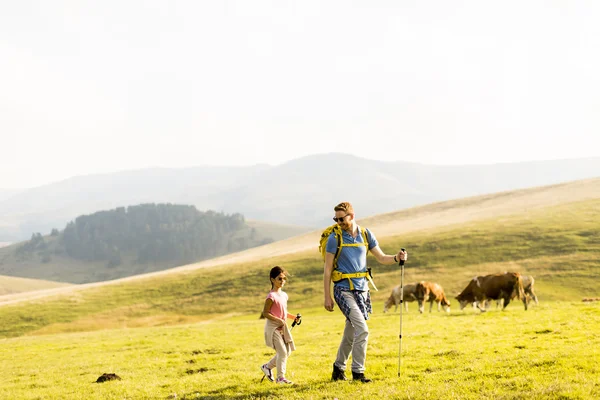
(395, 259)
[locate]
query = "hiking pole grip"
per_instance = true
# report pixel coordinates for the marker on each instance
(401, 262)
(299, 318)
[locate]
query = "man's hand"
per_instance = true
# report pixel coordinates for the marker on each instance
(402, 255)
(328, 304)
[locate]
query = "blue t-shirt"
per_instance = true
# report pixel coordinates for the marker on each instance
(352, 259)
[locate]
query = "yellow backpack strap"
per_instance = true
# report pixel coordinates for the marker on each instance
(369, 274)
(338, 235)
(364, 235)
(370, 279)
(364, 243)
(337, 276)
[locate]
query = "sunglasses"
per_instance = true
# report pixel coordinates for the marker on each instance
(340, 219)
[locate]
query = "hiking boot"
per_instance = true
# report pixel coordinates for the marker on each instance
(267, 372)
(359, 376)
(282, 380)
(338, 374)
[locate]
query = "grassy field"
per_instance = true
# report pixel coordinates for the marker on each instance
(194, 333)
(559, 246)
(548, 352)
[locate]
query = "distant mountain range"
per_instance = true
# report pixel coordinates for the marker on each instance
(300, 192)
(8, 193)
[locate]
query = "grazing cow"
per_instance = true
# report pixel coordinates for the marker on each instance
(431, 291)
(492, 287)
(528, 282)
(409, 296)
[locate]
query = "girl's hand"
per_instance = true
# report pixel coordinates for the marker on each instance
(281, 322)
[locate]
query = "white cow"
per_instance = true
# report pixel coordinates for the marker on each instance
(409, 295)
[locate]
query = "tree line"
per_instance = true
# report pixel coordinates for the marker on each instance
(169, 233)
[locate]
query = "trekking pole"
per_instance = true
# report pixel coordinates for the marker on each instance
(401, 263)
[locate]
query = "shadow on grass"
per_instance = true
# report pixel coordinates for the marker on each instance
(454, 314)
(270, 390)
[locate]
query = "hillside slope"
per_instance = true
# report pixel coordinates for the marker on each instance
(47, 258)
(551, 232)
(11, 285)
(403, 222)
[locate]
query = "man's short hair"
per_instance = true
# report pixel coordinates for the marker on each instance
(344, 206)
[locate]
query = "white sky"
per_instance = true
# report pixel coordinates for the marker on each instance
(101, 86)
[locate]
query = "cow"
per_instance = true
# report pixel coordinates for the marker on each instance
(409, 296)
(492, 287)
(430, 292)
(528, 282)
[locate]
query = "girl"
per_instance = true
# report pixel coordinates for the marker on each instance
(277, 333)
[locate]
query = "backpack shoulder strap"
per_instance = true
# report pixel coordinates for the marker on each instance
(338, 235)
(363, 232)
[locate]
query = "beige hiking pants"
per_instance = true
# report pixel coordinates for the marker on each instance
(282, 353)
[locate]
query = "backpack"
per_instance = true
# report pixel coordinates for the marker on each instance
(336, 275)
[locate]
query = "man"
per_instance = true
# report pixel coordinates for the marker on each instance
(350, 289)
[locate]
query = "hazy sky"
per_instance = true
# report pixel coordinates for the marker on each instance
(101, 86)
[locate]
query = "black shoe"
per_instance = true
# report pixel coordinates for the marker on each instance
(359, 376)
(338, 374)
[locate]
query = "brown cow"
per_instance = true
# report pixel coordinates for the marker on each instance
(409, 296)
(431, 291)
(528, 282)
(492, 287)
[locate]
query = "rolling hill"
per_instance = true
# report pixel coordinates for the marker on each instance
(549, 232)
(48, 258)
(300, 192)
(11, 285)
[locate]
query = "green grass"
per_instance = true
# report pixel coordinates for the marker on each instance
(195, 334)
(559, 246)
(548, 352)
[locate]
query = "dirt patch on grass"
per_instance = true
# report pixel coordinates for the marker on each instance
(108, 377)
